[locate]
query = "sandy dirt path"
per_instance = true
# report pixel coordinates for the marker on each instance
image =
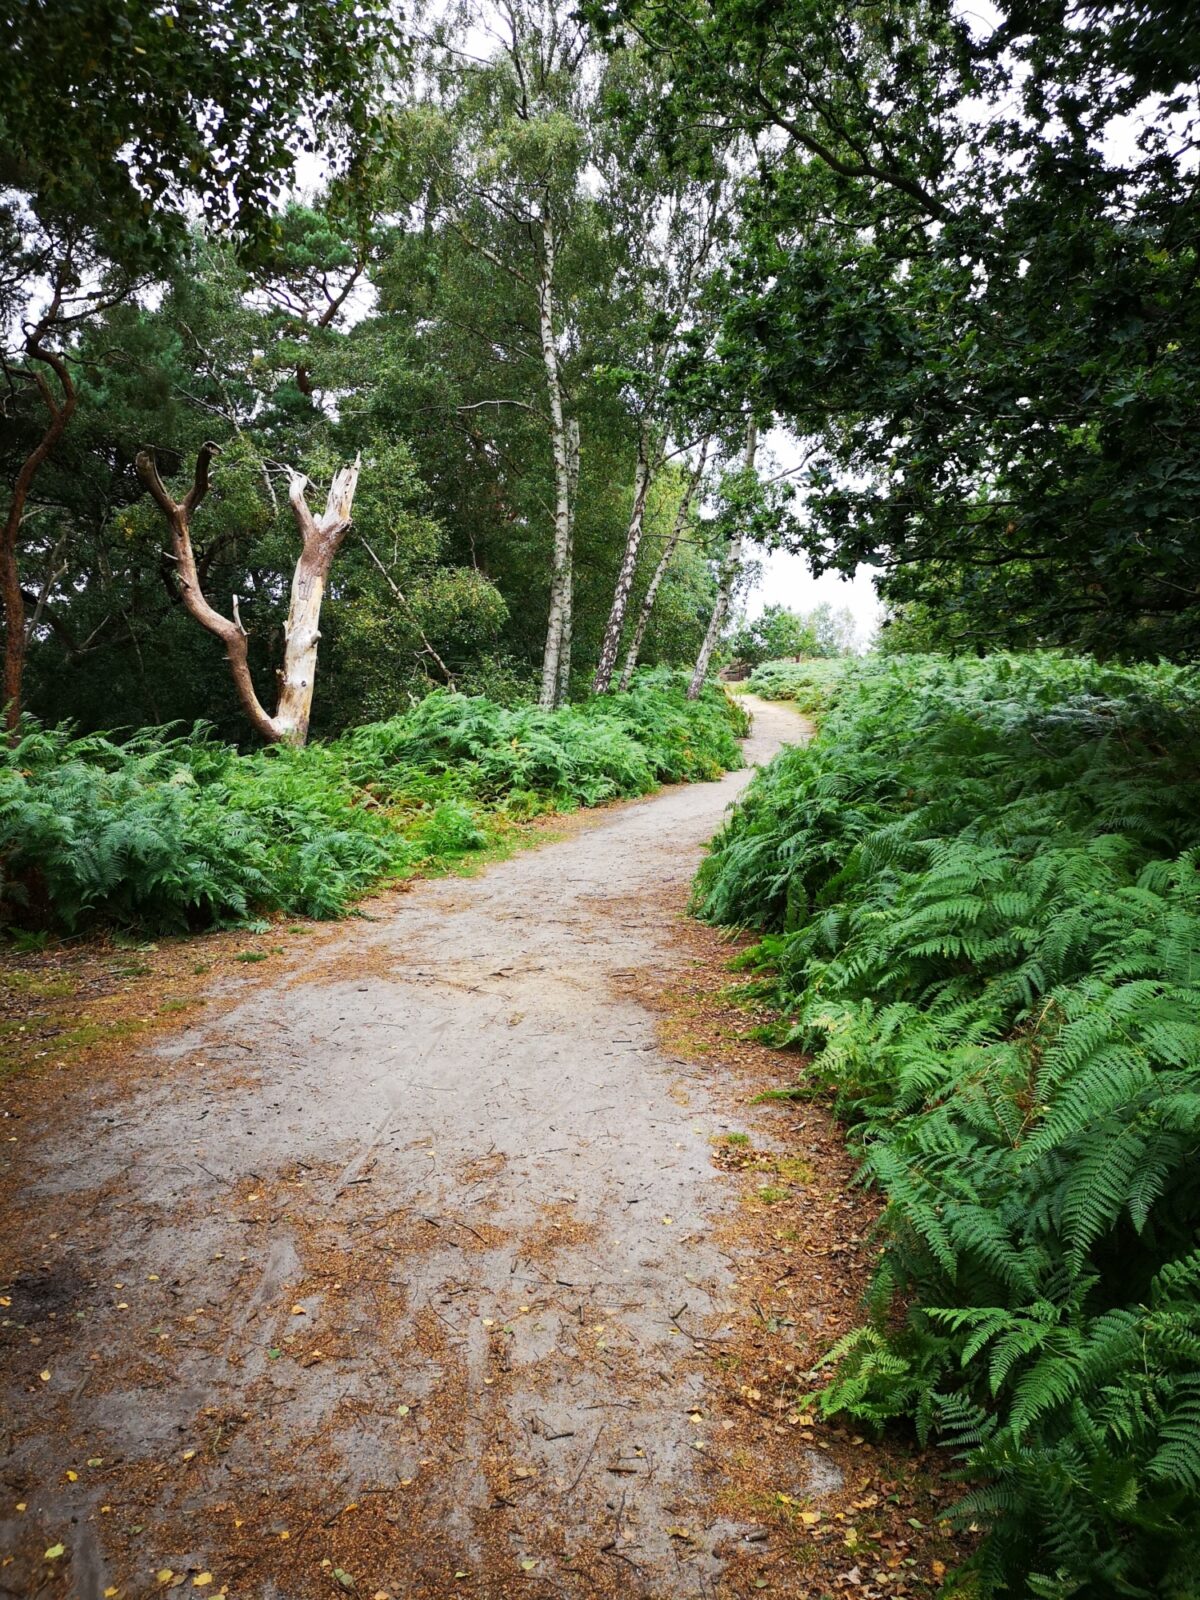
(399, 1277)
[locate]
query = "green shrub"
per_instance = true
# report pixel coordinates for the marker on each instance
(183, 832)
(980, 902)
(812, 684)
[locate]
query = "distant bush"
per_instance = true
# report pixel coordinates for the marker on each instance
(980, 902)
(165, 832)
(811, 684)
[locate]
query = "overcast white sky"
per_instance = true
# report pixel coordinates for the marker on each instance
(787, 580)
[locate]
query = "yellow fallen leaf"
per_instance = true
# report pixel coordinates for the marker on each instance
(188, 1454)
(299, 1311)
(111, 1592)
(667, 1221)
(20, 1505)
(54, 1552)
(72, 1477)
(163, 1575)
(527, 1563)
(938, 1569)
(45, 1376)
(285, 1534)
(810, 1518)
(201, 1580)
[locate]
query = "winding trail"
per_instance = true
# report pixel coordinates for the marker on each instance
(409, 1278)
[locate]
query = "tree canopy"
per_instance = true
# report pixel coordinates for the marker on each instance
(966, 270)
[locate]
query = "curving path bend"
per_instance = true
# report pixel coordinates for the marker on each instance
(413, 1255)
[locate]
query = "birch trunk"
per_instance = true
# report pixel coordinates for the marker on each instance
(563, 687)
(730, 569)
(322, 538)
(561, 575)
(602, 682)
(660, 571)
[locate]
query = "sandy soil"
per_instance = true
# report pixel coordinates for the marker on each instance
(405, 1275)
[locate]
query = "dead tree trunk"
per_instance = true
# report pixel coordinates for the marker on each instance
(730, 571)
(602, 682)
(322, 537)
(660, 571)
(561, 577)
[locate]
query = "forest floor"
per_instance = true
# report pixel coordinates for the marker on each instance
(447, 1254)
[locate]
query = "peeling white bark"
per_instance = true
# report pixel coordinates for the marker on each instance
(563, 689)
(660, 571)
(602, 682)
(321, 539)
(731, 569)
(561, 576)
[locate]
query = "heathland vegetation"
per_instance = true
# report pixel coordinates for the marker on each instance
(394, 410)
(979, 903)
(158, 832)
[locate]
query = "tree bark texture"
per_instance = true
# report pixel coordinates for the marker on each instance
(61, 408)
(563, 689)
(560, 575)
(321, 539)
(730, 571)
(602, 682)
(660, 571)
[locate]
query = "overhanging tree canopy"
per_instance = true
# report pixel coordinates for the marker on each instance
(968, 269)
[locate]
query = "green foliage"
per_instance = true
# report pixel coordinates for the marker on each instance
(779, 632)
(117, 113)
(968, 274)
(981, 911)
(812, 685)
(183, 832)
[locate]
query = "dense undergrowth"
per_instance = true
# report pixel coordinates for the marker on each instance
(811, 684)
(980, 902)
(170, 833)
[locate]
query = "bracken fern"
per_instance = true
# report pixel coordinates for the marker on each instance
(980, 907)
(174, 832)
